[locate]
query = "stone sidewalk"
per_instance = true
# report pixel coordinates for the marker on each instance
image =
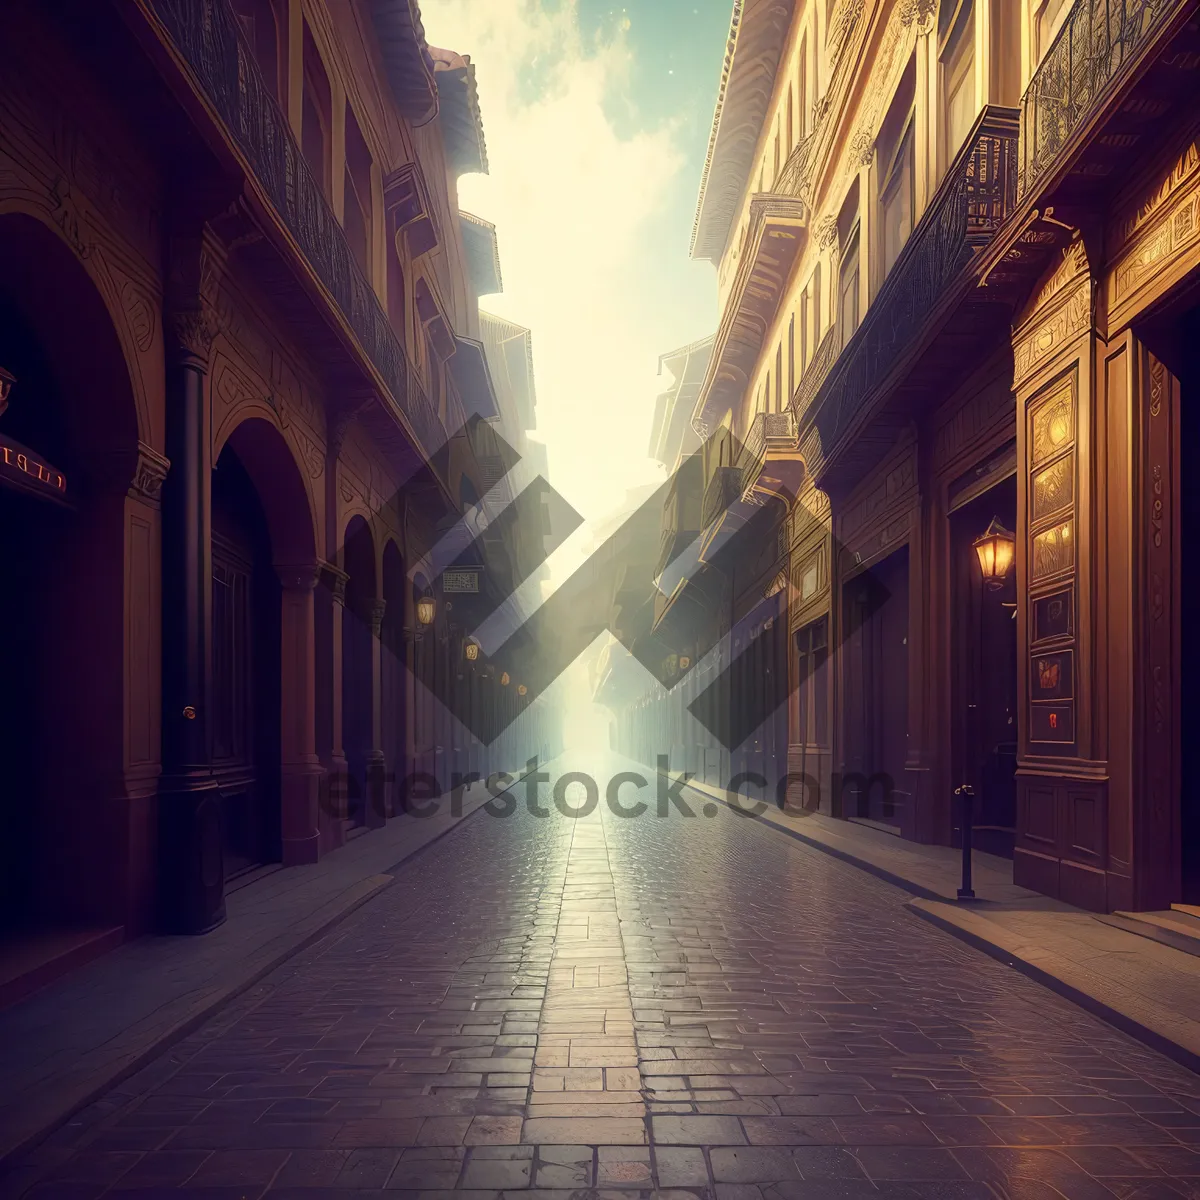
(1149, 990)
(70, 1041)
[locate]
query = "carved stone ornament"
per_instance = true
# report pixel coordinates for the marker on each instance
(195, 331)
(335, 579)
(919, 13)
(298, 577)
(375, 615)
(862, 150)
(827, 232)
(149, 473)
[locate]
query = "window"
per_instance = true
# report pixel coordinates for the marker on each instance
(791, 357)
(805, 319)
(848, 270)
(812, 683)
(257, 21)
(317, 117)
(897, 176)
(802, 88)
(356, 215)
(434, 366)
(818, 318)
(397, 297)
(1049, 18)
(779, 378)
(956, 42)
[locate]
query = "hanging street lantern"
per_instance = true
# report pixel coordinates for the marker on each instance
(471, 650)
(995, 549)
(6, 386)
(504, 680)
(684, 662)
(426, 610)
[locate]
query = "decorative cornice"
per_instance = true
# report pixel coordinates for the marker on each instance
(375, 612)
(299, 577)
(335, 579)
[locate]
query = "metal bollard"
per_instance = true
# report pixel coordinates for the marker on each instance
(966, 795)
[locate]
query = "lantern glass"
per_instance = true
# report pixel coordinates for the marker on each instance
(504, 680)
(426, 610)
(684, 662)
(521, 689)
(472, 651)
(995, 550)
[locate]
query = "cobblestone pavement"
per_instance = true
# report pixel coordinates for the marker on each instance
(606, 1007)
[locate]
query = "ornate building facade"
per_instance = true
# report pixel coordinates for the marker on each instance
(240, 346)
(957, 255)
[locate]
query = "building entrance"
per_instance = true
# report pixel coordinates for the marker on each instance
(245, 670)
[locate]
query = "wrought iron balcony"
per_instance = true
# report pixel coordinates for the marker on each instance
(206, 35)
(973, 200)
(1097, 46)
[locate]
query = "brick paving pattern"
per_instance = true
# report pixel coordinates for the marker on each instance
(593, 1008)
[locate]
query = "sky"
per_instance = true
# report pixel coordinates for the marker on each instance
(596, 118)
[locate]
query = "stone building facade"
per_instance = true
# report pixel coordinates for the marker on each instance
(957, 260)
(240, 345)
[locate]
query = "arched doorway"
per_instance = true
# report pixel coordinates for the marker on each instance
(357, 653)
(244, 725)
(70, 875)
(393, 676)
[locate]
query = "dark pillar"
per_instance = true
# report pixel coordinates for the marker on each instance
(190, 825)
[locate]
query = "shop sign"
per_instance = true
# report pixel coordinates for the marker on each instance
(22, 469)
(460, 581)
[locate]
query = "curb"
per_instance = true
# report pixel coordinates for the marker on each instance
(1138, 1030)
(907, 885)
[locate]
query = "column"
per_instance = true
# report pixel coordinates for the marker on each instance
(330, 604)
(376, 814)
(299, 765)
(190, 820)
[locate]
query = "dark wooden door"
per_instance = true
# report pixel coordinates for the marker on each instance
(233, 704)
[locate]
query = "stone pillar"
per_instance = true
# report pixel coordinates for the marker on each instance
(376, 814)
(300, 768)
(330, 610)
(190, 820)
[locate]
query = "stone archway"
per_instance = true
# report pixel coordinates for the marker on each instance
(79, 625)
(279, 570)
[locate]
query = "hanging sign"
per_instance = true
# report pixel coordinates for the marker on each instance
(22, 469)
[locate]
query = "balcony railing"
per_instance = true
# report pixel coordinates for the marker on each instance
(973, 200)
(1096, 42)
(207, 36)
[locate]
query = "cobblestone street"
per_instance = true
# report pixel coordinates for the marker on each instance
(696, 1006)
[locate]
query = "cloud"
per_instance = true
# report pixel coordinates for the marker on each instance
(575, 205)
